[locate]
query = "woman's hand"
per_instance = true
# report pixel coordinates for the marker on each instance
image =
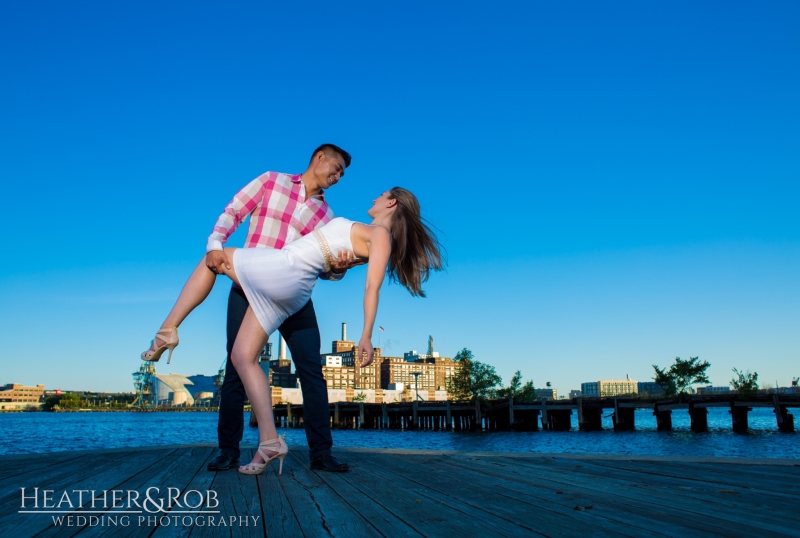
(366, 353)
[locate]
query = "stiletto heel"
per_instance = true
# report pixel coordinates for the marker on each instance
(270, 444)
(280, 461)
(170, 337)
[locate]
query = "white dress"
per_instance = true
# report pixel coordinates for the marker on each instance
(278, 283)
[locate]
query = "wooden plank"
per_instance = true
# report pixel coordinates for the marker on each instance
(605, 495)
(781, 482)
(279, 516)
(201, 481)
(541, 510)
(528, 486)
(426, 511)
(657, 474)
(238, 498)
(708, 494)
(703, 513)
(104, 477)
(673, 407)
(48, 475)
(358, 496)
(177, 474)
(319, 510)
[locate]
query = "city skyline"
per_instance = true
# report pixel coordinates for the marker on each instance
(615, 185)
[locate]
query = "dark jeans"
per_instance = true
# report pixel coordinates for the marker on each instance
(302, 336)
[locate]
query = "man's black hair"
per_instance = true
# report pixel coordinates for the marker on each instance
(333, 147)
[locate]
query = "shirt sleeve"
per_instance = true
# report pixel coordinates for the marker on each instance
(235, 212)
(333, 277)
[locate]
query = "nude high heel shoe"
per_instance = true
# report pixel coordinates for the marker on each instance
(273, 445)
(170, 337)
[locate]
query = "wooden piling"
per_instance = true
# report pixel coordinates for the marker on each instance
(663, 419)
(739, 418)
(545, 418)
(698, 419)
(623, 417)
(782, 416)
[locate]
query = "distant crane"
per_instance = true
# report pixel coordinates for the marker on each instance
(144, 382)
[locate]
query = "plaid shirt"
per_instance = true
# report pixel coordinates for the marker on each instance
(279, 213)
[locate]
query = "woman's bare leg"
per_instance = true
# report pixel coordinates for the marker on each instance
(250, 340)
(194, 292)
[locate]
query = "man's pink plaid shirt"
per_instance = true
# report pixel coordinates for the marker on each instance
(279, 213)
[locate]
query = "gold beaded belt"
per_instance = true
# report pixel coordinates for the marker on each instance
(326, 250)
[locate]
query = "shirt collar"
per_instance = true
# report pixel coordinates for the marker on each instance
(296, 179)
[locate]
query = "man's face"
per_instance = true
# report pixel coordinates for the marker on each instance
(329, 170)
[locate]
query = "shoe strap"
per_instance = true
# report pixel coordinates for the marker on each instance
(278, 441)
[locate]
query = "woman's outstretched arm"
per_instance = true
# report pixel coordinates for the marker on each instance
(380, 247)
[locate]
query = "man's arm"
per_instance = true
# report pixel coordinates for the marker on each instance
(243, 203)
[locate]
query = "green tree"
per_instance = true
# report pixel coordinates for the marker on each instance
(51, 402)
(459, 385)
(472, 379)
(516, 389)
(745, 383)
(679, 378)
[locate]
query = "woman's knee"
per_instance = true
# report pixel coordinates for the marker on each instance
(242, 360)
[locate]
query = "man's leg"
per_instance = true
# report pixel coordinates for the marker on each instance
(230, 425)
(302, 336)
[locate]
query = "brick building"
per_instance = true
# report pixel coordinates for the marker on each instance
(16, 396)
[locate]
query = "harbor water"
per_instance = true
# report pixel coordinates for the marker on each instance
(51, 432)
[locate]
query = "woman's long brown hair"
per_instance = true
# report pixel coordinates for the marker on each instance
(415, 249)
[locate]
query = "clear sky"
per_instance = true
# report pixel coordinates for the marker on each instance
(616, 183)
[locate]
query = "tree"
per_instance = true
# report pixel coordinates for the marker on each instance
(680, 377)
(459, 384)
(745, 383)
(472, 379)
(517, 390)
(484, 380)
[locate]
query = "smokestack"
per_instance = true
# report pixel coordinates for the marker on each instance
(344, 331)
(282, 344)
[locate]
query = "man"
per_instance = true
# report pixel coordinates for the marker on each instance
(282, 209)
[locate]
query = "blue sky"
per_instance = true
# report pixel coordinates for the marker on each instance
(616, 184)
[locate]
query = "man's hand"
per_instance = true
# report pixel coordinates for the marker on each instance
(216, 260)
(345, 261)
(366, 353)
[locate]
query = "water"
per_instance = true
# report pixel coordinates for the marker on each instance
(53, 432)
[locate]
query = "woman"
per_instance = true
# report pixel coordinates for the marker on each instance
(278, 283)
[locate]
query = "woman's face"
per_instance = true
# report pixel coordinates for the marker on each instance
(381, 203)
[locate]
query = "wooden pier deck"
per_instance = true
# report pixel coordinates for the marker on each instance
(402, 493)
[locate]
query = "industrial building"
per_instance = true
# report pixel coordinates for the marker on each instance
(14, 396)
(548, 393)
(609, 387)
(415, 371)
(650, 389)
(182, 390)
(709, 390)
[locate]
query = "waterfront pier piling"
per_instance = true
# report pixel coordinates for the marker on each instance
(663, 419)
(739, 417)
(510, 414)
(698, 418)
